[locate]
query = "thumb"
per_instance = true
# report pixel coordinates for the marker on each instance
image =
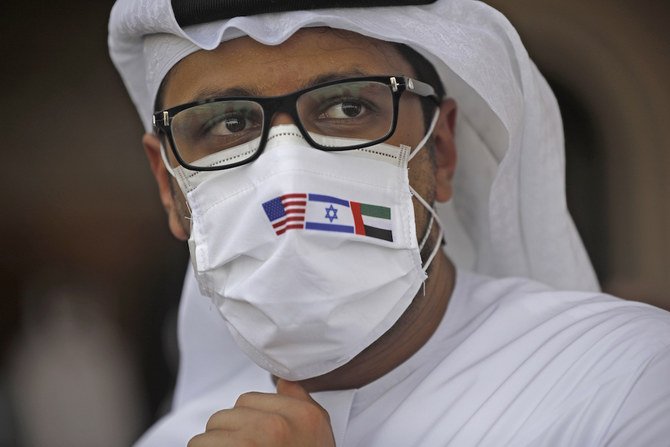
(292, 389)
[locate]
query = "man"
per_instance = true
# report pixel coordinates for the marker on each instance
(300, 154)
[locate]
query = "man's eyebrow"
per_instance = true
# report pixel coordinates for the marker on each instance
(209, 92)
(335, 76)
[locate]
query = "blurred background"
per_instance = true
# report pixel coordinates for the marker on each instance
(90, 276)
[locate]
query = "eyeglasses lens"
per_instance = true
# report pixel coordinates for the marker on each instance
(227, 132)
(218, 133)
(347, 114)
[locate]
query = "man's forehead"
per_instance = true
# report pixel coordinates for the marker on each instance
(212, 91)
(310, 56)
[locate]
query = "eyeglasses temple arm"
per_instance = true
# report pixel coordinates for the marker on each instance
(420, 88)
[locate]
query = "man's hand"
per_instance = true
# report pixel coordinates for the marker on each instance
(289, 418)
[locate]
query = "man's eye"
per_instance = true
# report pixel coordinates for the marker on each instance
(343, 110)
(227, 125)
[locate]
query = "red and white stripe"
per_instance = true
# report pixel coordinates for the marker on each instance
(294, 207)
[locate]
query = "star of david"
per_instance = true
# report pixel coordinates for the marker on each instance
(331, 213)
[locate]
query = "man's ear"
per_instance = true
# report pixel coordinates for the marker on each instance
(152, 147)
(445, 150)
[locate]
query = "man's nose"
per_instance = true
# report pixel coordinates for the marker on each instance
(281, 118)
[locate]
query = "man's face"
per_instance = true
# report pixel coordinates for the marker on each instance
(246, 67)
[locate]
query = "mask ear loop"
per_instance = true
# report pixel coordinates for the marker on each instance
(427, 233)
(425, 138)
(170, 169)
(434, 216)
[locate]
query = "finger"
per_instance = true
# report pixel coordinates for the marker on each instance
(234, 419)
(270, 402)
(292, 389)
(215, 438)
(246, 424)
(223, 420)
(261, 401)
(224, 438)
(295, 404)
(270, 419)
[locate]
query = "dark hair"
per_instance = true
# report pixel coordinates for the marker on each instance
(425, 72)
(158, 102)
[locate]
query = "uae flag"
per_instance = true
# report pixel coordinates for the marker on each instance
(372, 220)
(319, 212)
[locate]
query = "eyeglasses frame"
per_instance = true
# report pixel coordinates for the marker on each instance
(162, 120)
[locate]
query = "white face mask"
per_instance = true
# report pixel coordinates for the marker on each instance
(309, 255)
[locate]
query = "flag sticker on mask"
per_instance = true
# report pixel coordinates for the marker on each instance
(372, 220)
(286, 212)
(320, 212)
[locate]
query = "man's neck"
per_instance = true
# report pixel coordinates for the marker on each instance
(416, 325)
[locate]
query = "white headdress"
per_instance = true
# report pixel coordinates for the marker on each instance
(509, 215)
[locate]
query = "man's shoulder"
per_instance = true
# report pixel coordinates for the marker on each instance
(534, 365)
(527, 315)
(523, 298)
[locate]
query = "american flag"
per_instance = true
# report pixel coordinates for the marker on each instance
(286, 212)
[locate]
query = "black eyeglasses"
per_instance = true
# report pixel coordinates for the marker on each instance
(223, 133)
